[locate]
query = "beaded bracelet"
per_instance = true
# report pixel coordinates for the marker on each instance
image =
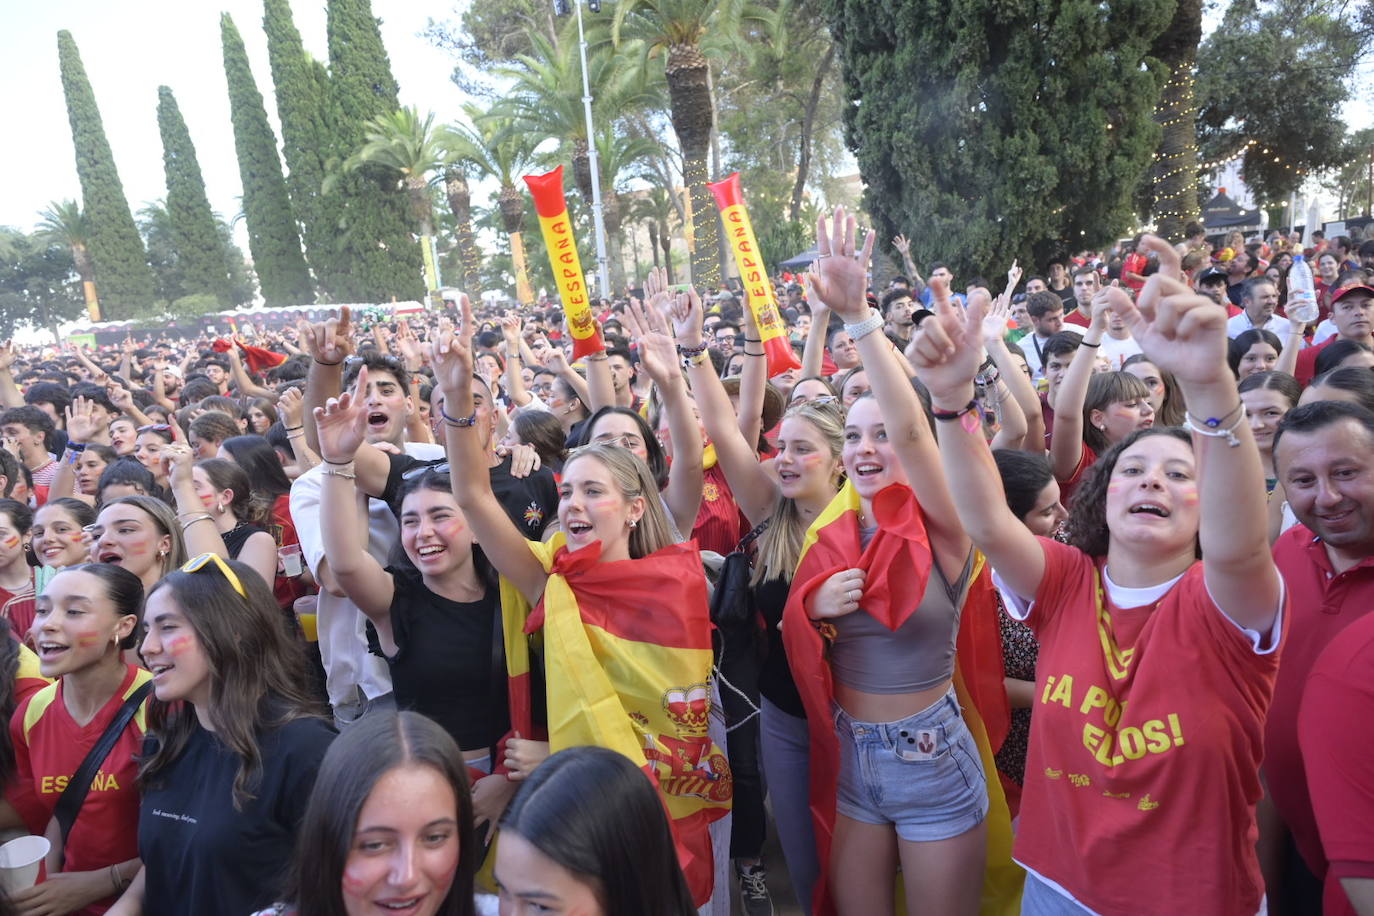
(954, 414)
(685, 352)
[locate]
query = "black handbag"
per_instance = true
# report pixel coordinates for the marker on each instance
(731, 603)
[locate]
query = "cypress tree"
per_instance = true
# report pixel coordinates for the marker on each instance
(308, 141)
(200, 252)
(272, 235)
(377, 247)
(989, 132)
(123, 278)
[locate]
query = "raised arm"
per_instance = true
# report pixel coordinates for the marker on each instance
(658, 356)
(556, 361)
(599, 384)
(1023, 398)
(755, 491)
(1184, 333)
(515, 382)
(813, 353)
(291, 409)
(903, 246)
(839, 278)
(1066, 448)
(947, 353)
(342, 425)
(10, 396)
(328, 343)
(247, 387)
(753, 380)
(1292, 344)
(501, 541)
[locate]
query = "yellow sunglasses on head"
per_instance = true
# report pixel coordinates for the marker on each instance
(205, 559)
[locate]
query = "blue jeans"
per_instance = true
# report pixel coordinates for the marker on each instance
(786, 753)
(921, 774)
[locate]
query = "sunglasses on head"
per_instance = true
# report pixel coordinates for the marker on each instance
(207, 559)
(156, 428)
(421, 469)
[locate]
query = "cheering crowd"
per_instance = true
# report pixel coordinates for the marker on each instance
(1047, 599)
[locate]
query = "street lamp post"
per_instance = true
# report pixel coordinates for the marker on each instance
(560, 8)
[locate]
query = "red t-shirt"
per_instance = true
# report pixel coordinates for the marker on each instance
(49, 747)
(719, 526)
(18, 608)
(1324, 604)
(286, 590)
(1307, 361)
(1073, 316)
(1340, 759)
(1143, 770)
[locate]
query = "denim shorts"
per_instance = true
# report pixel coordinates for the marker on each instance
(922, 774)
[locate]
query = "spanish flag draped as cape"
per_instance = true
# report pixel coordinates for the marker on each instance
(627, 661)
(898, 562)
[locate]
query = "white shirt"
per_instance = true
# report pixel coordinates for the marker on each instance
(1028, 345)
(1325, 331)
(343, 640)
(1118, 351)
(1277, 325)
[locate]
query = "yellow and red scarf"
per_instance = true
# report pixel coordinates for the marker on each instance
(898, 563)
(627, 658)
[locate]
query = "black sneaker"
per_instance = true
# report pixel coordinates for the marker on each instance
(753, 889)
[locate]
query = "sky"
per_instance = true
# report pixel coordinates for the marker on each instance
(132, 47)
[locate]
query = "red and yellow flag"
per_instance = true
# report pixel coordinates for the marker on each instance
(629, 669)
(759, 291)
(556, 226)
(898, 563)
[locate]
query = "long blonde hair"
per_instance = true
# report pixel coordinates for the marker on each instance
(632, 478)
(780, 544)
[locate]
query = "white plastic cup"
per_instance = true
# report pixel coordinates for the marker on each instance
(19, 861)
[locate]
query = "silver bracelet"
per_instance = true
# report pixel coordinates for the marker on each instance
(1214, 432)
(863, 328)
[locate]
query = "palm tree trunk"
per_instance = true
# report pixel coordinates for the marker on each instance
(460, 203)
(523, 294)
(86, 270)
(582, 170)
(689, 92)
(1175, 171)
(653, 240)
(808, 127)
(665, 241)
(610, 207)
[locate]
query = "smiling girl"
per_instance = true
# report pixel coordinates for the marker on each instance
(85, 617)
(140, 534)
(58, 537)
(389, 828)
(233, 744)
(433, 613)
(1156, 670)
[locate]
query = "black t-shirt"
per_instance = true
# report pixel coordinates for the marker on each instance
(450, 661)
(775, 676)
(200, 855)
(235, 538)
(530, 502)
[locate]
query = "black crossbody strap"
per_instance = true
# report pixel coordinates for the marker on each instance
(69, 805)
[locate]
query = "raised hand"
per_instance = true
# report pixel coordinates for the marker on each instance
(177, 463)
(996, 320)
(341, 424)
(330, 341)
(511, 327)
(1013, 275)
(81, 422)
(902, 244)
(554, 359)
(948, 349)
(656, 293)
(688, 316)
(119, 396)
(1180, 331)
(839, 275)
(657, 353)
(451, 352)
(7, 354)
(291, 407)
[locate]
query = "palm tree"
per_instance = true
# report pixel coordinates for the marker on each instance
(677, 30)
(655, 208)
(64, 222)
(493, 145)
(616, 152)
(407, 144)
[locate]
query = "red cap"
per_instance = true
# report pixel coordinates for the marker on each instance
(1347, 290)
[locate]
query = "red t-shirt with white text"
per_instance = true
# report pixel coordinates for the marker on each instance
(1146, 740)
(49, 747)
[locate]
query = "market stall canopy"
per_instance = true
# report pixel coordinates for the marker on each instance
(1221, 212)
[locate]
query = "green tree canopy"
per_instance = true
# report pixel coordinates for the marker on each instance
(38, 285)
(194, 236)
(1278, 72)
(272, 235)
(988, 132)
(121, 264)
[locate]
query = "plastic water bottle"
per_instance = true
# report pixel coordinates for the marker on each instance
(1302, 296)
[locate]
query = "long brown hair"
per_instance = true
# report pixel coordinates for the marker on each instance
(257, 672)
(779, 546)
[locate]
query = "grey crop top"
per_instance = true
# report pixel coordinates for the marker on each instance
(867, 656)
